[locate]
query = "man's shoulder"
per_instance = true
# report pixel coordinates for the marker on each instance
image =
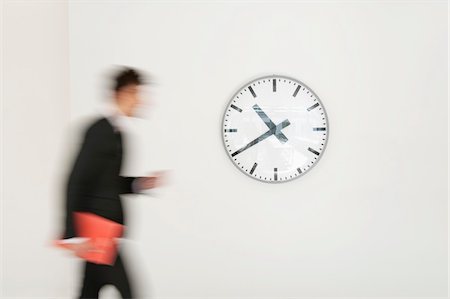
(98, 129)
(100, 124)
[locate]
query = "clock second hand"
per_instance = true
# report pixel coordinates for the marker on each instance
(269, 133)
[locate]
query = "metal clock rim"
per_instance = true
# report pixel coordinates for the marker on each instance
(284, 77)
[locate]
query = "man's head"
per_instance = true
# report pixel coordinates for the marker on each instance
(126, 88)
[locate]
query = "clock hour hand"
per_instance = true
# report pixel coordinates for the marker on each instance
(269, 123)
(269, 133)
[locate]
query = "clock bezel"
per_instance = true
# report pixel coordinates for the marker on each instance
(278, 77)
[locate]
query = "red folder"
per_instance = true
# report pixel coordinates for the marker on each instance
(101, 232)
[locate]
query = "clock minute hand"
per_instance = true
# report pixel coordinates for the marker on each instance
(269, 123)
(269, 133)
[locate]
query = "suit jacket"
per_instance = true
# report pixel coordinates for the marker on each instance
(94, 184)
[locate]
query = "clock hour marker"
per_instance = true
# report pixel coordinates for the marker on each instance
(313, 106)
(299, 170)
(253, 168)
(251, 90)
(230, 130)
(296, 91)
(275, 174)
(274, 85)
(236, 108)
(313, 151)
(319, 129)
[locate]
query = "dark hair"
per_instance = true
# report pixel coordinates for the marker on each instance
(127, 76)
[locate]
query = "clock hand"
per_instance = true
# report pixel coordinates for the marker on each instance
(269, 123)
(269, 133)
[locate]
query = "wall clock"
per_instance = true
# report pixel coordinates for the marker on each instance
(275, 129)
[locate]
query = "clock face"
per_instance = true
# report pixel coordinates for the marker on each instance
(275, 129)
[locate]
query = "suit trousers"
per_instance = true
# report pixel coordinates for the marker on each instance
(97, 275)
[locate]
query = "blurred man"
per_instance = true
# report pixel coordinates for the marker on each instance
(95, 184)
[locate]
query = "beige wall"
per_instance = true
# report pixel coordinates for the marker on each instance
(35, 110)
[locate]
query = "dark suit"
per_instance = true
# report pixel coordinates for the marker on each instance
(95, 185)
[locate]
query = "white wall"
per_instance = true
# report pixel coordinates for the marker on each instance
(369, 220)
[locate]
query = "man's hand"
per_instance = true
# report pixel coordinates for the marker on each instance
(80, 249)
(158, 179)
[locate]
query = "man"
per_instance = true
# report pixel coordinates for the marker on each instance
(95, 184)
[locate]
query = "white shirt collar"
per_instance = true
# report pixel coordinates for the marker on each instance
(115, 116)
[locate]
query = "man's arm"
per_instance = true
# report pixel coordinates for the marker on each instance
(128, 185)
(138, 184)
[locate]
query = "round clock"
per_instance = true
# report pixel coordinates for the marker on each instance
(275, 129)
